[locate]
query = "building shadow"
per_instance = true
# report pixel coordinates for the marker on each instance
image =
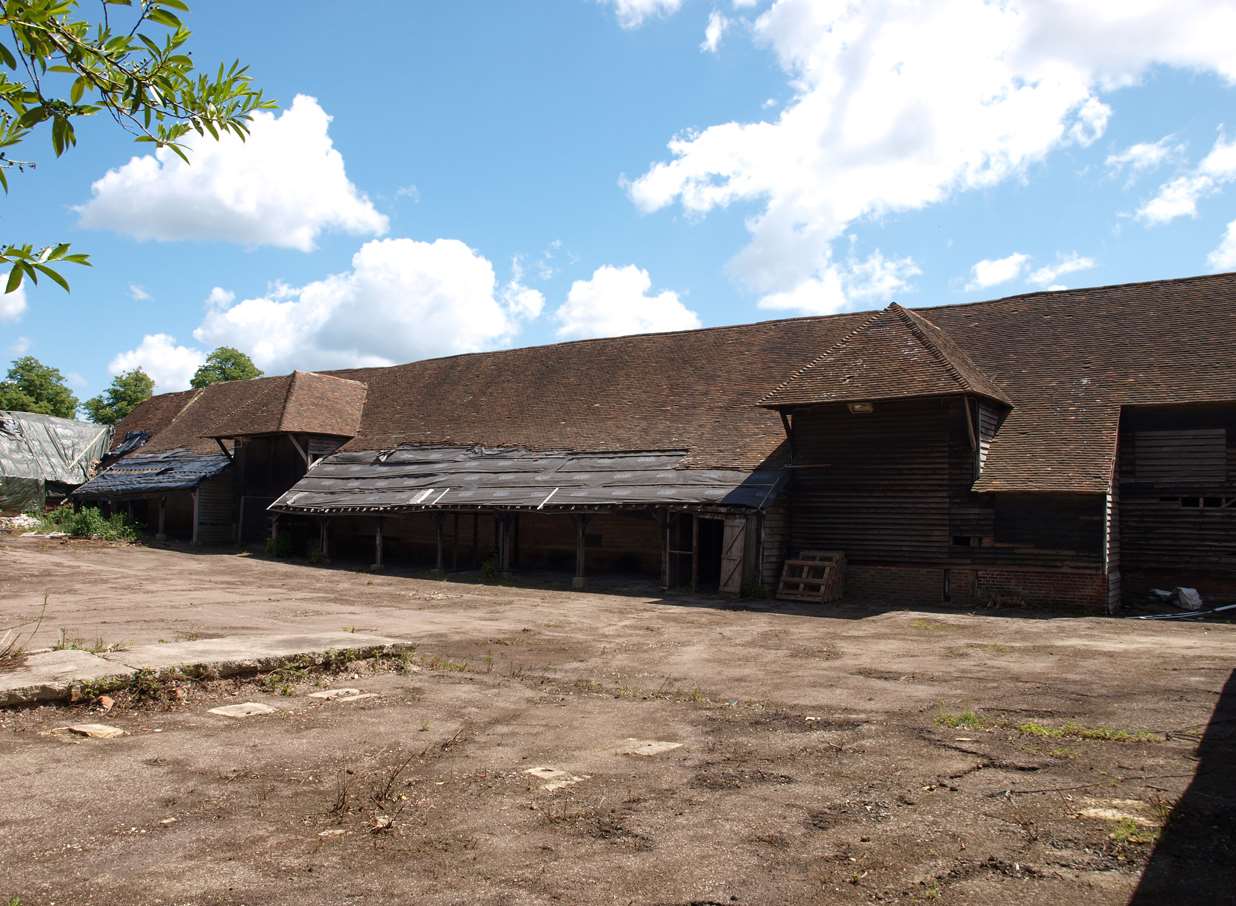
(1194, 860)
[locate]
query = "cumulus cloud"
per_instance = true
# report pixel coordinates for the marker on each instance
(1179, 197)
(714, 31)
(1048, 274)
(1144, 157)
(616, 301)
(168, 363)
(1223, 258)
(994, 271)
(138, 293)
(899, 105)
(12, 305)
(874, 280)
(402, 300)
(634, 13)
(283, 186)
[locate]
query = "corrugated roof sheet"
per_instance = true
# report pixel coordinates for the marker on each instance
(153, 473)
(444, 478)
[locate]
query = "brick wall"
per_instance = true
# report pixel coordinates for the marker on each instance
(912, 585)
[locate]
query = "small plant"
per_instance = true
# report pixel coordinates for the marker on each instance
(12, 645)
(968, 720)
(98, 646)
(1072, 730)
(489, 570)
(1126, 830)
(145, 686)
(279, 547)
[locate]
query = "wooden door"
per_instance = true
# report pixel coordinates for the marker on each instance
(733, 546)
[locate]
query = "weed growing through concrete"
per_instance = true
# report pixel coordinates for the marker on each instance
(973, 720)
(89, 522)
(12, 644)
(970, 720)
(98, 646)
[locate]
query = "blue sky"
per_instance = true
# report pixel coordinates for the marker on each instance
(509, 179)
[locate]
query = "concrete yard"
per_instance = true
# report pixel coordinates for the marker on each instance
(548, 746)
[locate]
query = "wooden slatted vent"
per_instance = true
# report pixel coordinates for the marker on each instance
(816, 576)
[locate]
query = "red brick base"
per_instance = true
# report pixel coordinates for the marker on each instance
(972, 587)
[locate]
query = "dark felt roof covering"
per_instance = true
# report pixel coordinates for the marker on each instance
(894, 353)
(446, 478)
(151, 473)
(1065, 361)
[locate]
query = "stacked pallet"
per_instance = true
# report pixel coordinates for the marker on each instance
(816, 576)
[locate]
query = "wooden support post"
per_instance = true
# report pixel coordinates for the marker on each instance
(377, 546)
(504, 545)
(161, 535)
(455, 542)
(274, 534)
(581, 543)
(664, 520)
(439, 530)
(324, 537)
(695, 552)
(195, 515)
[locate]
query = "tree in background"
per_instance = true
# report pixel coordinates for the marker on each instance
(56, 67)
(31, 386)
(224, 364)
(127, 390)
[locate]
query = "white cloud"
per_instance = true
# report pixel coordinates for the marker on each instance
(218, 297)
(283, 186)
(994, 271)
(1179, 197)
(874, 280)
(1071, 263)
(634, 13)
(12, 305)
(898, 105)
(402, 300)
(158, 355)
(20, 346)
(714, 31)
(410, 192)
(1223, 258)
(1144, 156)
(519, 300)
(616, 302)
(138, 293)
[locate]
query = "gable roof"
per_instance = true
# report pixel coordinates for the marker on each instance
(893, 353)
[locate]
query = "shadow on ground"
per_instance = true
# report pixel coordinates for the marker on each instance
(1194, 860)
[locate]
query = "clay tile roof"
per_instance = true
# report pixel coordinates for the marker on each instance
(893, 353)
(303, 402)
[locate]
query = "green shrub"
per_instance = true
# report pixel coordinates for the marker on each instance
(89, 522)
(280, 547)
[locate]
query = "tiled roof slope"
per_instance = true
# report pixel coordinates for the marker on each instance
(1066, 361)
(894, 353)
(152, 415)
(692, 390)
(311, 403)
(1071, 359)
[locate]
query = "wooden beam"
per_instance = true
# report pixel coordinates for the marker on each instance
(161, 535)
(195, 515)
(324, 538)
(226, 451)
(377, 545)
(581, 545)
(695, 552)
(439, 530)
(304, 453)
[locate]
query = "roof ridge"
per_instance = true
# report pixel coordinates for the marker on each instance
(287, 396)
(822, 356)
(910, 319)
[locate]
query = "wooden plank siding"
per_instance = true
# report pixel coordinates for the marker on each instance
(216, 517)
(893, 487)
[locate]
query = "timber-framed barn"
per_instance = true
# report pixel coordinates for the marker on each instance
(1052, 448)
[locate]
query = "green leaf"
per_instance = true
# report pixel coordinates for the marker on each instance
(14, 279)
(163, 17)
(7, 58)
(78, 89)
(63, 283)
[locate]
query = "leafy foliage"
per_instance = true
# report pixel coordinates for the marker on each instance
(127, 390)
(88, 522)
(57, 67)
(224, 364)
(31, 386)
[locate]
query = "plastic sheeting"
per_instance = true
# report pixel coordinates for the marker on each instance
(453, 478)
(39, 453)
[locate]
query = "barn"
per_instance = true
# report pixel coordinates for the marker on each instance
(1060, 448)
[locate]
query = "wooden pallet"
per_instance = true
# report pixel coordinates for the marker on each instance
(816, 576)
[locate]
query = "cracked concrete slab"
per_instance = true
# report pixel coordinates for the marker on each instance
(48, 675)
(51, 675)
(244, 709)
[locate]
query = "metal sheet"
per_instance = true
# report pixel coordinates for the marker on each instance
(445, 478)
